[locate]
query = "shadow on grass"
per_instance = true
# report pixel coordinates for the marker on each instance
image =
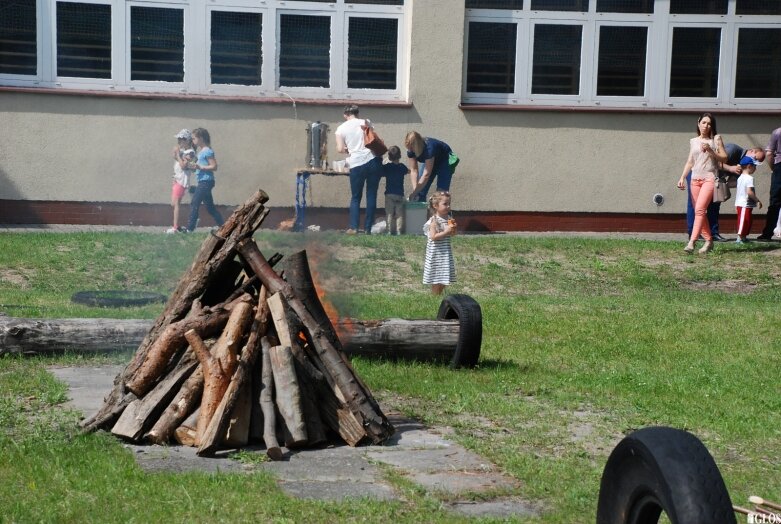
(499, 365)
(752, 247)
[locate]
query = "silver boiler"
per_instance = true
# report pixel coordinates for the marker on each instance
(317, 145)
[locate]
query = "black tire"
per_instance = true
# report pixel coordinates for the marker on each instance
(470, 333)
(117, 298)
(662, 469)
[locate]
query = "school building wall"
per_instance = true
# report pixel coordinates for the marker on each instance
(81, 157)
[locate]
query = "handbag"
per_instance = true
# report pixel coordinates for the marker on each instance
(373, 142)
(452, 161)
(721, 192)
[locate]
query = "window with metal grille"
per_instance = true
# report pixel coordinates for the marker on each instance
(490, 66)
(236, 48)
(18, 37)
(559, 5)
(556, 59)
(759, 63)
(156, 44)
(494, 4)
(757, 7)
(372, 53)
(318, 48)
(624, 53)
(621, 70)
(625, 6)
(304, 51)
(374, 2)
(698, 7)
(83, 40)
(694, 65)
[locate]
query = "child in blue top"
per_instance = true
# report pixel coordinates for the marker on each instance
(205, 168)
(394, 173)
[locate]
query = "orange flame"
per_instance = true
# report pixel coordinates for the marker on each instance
(344, 327)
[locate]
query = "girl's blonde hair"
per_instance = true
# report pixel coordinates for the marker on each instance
(414, 142)
(436, 197)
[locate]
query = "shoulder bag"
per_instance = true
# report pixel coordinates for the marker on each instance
(372, 141)
(721, 192)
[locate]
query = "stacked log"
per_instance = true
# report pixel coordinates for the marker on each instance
(240, 354)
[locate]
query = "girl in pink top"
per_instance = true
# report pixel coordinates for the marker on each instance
(706, 150)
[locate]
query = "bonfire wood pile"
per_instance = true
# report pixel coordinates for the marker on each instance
(242, 353)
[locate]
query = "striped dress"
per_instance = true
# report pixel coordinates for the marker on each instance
(440, 267)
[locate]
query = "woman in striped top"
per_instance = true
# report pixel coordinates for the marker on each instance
(439, 270)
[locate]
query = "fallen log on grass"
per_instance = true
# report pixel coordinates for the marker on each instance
(393, 338)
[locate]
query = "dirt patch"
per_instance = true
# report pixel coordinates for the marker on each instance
(584, 430)
(725, 286)
(15, 277)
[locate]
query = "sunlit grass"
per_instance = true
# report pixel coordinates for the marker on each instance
(584, 341)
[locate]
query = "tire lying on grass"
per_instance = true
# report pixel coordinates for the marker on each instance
(117, 298)
(659, 469)
(470, 333)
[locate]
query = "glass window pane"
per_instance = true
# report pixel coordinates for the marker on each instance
(375, 2)
(758, 71)
(694, 68)
(556, 60)
(18, 44)
(494, 4)
(625, 6)
(622, 61)
(698, 7)
(83, 40)
(304, 51)
(372, 53)
(758, 7)
(156, 44)
(236, 48)
(560, 5)
(490, 64)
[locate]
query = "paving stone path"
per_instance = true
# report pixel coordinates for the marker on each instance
(442, 467)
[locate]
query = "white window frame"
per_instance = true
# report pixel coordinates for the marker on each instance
(265, 78)
(148, 86)
(760, 103)
(658, 51)
(197, 50)
(308, 92)
(359, 93)
(623, 101)
(545, 98)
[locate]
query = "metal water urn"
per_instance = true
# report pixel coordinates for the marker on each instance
(317, 144)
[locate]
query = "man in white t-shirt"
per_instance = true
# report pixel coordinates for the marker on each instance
(365, 168)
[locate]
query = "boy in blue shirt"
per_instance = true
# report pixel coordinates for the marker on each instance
(394, 173)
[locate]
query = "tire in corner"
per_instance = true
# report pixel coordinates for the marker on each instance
(117, 298)
(470, 333)
(659, 469)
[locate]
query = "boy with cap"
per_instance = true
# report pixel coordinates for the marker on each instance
(746, 198)
(184, 162)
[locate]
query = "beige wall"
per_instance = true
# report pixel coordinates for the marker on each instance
(100, 148)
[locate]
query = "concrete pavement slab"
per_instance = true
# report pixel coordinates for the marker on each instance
(455, 483)
(334, 472)
(454, 458)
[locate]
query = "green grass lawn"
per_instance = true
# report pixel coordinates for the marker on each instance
(584, 341)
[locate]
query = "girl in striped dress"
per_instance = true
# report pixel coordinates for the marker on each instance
(439, 270)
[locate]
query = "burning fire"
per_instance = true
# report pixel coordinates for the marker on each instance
(344, 327)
